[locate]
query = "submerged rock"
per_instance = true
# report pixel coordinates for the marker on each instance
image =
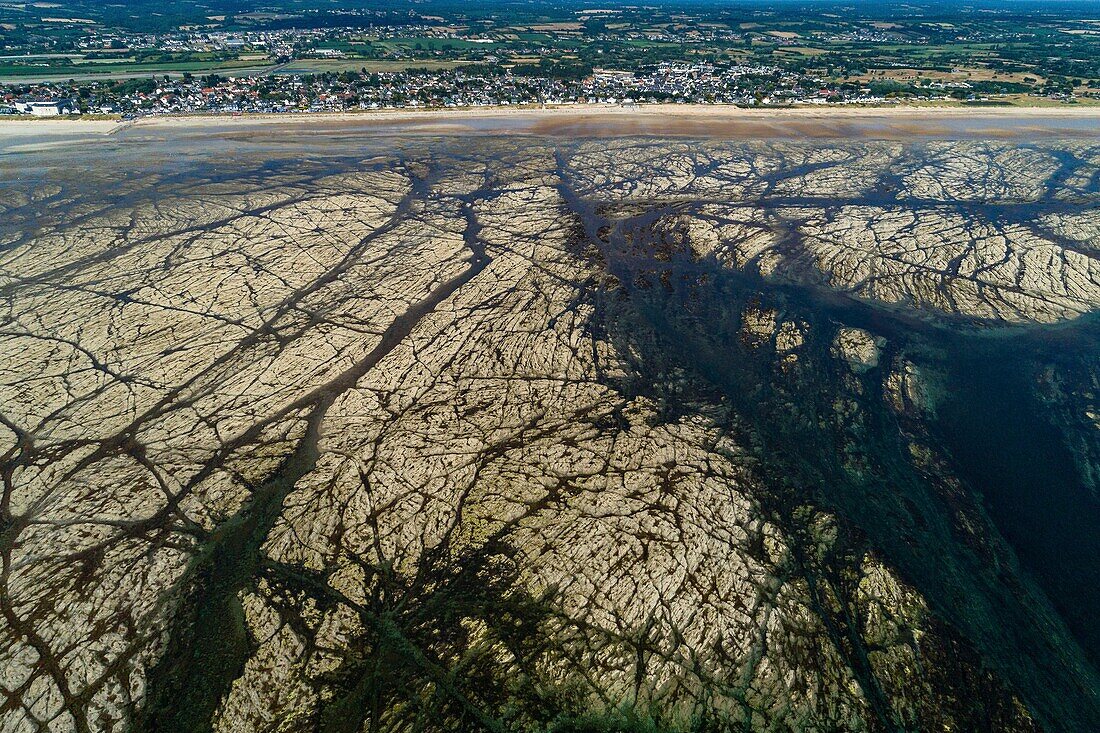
(858, 348)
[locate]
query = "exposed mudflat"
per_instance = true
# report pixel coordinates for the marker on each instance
(502, 426)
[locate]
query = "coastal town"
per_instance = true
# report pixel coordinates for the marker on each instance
(387, 60)
(667, 83)
(350, 90)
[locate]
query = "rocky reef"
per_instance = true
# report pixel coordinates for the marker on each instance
(533, 434)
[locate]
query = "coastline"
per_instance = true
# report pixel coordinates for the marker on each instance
(639, 111)
(55, 126)
(593, 120)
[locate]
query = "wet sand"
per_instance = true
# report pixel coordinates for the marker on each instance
(48, 126)
(35, 135)
(676, 120)
(604, 120)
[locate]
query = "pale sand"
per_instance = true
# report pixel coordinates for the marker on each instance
(693, 111)
(701, 121)
(22, 126)
(601, 119)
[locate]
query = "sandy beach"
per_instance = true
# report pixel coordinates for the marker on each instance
(24, 135)
(64, 126)
(638, 111)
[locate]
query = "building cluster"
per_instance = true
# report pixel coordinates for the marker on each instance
(273, 42)
(478, 85)
(703, 83)
(472, 87)
(41, 107)
(873, 35)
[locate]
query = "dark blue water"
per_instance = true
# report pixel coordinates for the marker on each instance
(1006, 442)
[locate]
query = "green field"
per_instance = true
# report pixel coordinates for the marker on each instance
(109, 69)
(431, 44)
(320, 66)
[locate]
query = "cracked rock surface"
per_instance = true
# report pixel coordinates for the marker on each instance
(529, 434)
